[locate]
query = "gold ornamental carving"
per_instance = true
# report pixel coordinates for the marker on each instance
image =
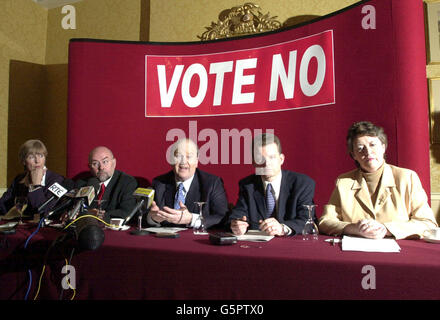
(239, 21)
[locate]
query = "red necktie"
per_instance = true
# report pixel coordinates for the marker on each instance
(101, 191)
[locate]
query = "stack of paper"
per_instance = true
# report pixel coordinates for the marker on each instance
(369, 245)
(255, 235)
(164, 229)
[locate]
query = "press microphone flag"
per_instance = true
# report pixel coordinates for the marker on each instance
(64, 203)
(57, 190)
(146, 195)
(88, 193)
(83, 194)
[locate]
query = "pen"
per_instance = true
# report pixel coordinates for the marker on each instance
(333, 241)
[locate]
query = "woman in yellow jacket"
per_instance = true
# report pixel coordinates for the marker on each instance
(376, 200)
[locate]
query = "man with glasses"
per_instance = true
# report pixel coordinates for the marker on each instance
(113, 188)
(177, 192)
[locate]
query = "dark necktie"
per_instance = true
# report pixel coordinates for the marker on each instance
(179, 196)
(270, 201)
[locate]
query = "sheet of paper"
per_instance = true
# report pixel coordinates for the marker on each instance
(8, 225)
(255, 235)
(369, 245)
(164, 229)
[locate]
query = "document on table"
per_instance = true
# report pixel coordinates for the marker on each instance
(255, 235)
(163, 229)
(369, 245)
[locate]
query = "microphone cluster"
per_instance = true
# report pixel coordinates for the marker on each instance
(71, 208)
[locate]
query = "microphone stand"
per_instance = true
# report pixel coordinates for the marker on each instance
(139, 231)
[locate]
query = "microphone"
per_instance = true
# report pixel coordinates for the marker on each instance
(87, 230)
(88, 233)
(85, 196)
(146, 195)
(64, 203)
(57, 190)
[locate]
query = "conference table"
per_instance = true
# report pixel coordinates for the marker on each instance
(190, 267)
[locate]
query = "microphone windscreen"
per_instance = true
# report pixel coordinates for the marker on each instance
(90, 234)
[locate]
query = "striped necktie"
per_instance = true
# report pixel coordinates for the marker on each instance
(270, 201)
(179, 196)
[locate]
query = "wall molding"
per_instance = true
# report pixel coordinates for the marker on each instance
(435, 196)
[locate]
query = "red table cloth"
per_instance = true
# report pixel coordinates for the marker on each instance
(190, 267)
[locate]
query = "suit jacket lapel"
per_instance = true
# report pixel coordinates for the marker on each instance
(282, 198)
(109, 189)
(259, 197)
(386, 183)
(169, 192)
(193, 195)
(362, 194)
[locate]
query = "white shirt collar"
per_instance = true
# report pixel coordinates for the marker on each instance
(276, 184)
(106, 182)
(43, 180)
(186, 183)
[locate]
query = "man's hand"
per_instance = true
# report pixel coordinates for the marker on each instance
(180, 216)
(96, 212)
(239, 226)
(154, 213)
(272, 227)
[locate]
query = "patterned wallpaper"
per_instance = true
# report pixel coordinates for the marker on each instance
(23, 26)
(184, 20)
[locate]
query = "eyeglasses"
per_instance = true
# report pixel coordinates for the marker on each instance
(98, 164)
(34, 156)
(180, 158)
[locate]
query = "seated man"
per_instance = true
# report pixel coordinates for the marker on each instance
(272, 199)
(114, 187)
(177, 192)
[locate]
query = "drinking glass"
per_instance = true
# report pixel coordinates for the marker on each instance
(21, 203)
(201, 229)
(310, 231)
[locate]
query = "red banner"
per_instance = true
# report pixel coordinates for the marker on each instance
(365, 62)
(289, 75)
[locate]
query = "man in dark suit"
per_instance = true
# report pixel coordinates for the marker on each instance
(115, 188)
(272, 199)
(177, 192)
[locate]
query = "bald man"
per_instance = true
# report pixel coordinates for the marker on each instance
(172, 207)
(114, 187)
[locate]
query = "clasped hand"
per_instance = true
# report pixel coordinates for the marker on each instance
(271, 226)
(179, 216)
(368, 228)
(36, 175)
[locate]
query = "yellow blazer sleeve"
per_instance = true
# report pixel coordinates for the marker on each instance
(419, 216)
(331, 221)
